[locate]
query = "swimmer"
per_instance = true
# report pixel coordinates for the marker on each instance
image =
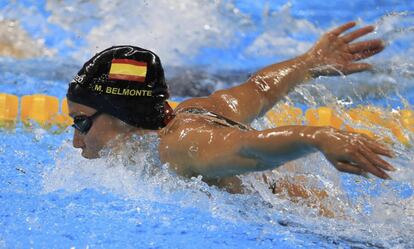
(122, 91)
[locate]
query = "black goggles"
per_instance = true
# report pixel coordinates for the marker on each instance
(83, 123)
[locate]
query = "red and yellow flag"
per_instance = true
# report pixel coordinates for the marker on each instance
(125, 69)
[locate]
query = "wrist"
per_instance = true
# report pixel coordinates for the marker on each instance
(315, 136)
(310, 63)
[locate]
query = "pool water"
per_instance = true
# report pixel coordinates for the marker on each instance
(50, 197)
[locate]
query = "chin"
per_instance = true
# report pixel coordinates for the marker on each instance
(87, 155)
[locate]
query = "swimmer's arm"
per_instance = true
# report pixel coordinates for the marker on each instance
(333, 54)
(222, 152)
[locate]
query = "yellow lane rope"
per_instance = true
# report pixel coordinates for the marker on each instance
(399, 124)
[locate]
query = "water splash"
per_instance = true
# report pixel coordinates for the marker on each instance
(175, 30)
(362, 207)
(15, 42)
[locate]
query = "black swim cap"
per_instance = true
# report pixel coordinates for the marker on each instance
(126, 82)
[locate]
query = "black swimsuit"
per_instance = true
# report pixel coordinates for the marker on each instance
(219, 119)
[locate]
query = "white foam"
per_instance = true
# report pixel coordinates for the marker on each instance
(175, 29)
(276, 40)
(15, 42)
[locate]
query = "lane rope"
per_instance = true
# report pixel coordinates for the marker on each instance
(48, 111)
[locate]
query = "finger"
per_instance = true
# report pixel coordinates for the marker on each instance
(346, 167)
(342, 28)
(369, 167)
(376, 160)
(365, 54)
(357, 33)
(356, 67)
(378, 148)
(365, 45)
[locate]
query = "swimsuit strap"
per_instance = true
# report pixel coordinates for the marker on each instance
(218, 118)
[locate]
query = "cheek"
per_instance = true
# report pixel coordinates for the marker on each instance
(99, 138)
(93, 143)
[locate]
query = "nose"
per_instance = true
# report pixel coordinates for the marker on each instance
(78, 140)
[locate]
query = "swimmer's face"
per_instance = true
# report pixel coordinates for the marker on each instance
(104, 129)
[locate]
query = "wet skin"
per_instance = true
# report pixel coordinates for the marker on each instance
(104, 130)
(196, 145)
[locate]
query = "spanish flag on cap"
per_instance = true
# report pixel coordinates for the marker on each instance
(126, 69)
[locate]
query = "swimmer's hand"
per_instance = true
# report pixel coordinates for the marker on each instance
(354, 153)
(335, 54)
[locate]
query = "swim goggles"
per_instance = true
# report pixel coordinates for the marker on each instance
(83, 123)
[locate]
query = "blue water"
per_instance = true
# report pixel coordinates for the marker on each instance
(98, 218)
(52, 198)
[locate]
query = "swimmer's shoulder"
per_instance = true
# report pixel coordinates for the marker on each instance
(216, 103)
(177, 137)
(173, 141)
(196, 103)
(183, 120)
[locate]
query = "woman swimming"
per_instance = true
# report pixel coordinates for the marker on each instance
(122, 91)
